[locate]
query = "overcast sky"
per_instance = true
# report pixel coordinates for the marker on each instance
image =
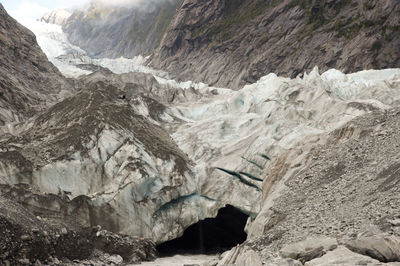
(28, 10)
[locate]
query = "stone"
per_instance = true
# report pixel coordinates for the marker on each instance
(308, 249)
(382, 248)
(116, 259)
(37, 263)
(283, 262)
(64, 231)
(24, 261)
(26, 237)
(240, 255)
(395, 222)
(341, 256)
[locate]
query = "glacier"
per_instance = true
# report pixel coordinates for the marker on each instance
(233, 130)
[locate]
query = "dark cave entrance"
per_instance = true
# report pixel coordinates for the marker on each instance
(209, 236)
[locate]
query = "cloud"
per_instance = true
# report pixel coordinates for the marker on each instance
(28, 11)
(127, 3)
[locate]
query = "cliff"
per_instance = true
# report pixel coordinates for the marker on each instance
(230, 43)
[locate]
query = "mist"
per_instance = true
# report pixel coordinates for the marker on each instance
(125, 3)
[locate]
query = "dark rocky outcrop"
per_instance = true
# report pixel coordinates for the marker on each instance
(232, 43)
(114, 31)
(28, 81)
(28, 238)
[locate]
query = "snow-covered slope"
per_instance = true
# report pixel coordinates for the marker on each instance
(58, 17)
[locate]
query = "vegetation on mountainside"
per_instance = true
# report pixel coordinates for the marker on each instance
(236, 13)
(317, 14)
(324, 16)
(164, 18)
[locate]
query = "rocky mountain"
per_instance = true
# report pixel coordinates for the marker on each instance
(231, 43)
(227, 43)
(28, 82)
(106, 30)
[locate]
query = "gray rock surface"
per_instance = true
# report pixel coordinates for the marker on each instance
(232, 43)
(28, 81)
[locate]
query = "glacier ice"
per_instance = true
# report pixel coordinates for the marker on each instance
(231, 130)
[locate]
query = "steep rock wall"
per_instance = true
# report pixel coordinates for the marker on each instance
(231, 43)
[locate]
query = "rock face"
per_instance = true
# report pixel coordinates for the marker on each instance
(106, 30)
(28, 81)
(230, 43)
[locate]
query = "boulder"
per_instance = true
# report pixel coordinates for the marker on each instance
(308, 249)
(341, 256)
(241, 255)
(382, 248)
